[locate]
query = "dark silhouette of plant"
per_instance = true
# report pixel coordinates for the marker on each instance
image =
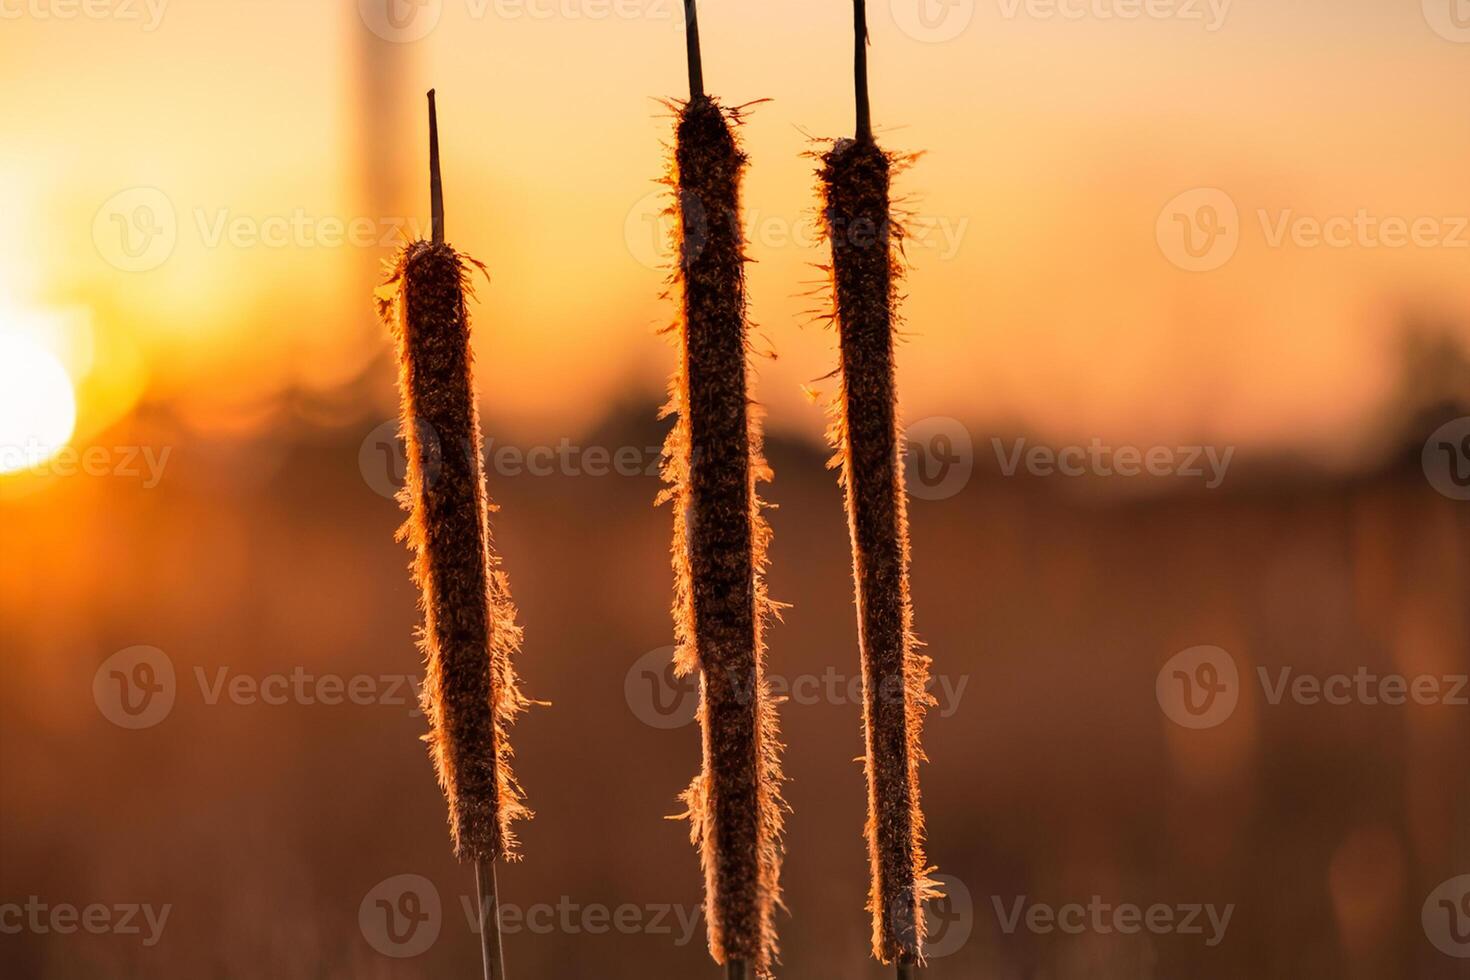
(471, 694)
(855, 177)
(712, 462)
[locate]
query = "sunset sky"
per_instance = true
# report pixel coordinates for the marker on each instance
(1045, 293)
(1191, 277)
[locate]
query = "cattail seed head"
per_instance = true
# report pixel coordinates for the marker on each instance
(855, 176)
(469, 635)
(712, 463)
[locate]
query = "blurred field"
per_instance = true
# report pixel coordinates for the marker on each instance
(1055, 774)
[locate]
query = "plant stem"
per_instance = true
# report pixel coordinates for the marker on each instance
(691, 40)
(737, 970)
(489, 903)
(864, 132)
(907, 970)
(436, 183)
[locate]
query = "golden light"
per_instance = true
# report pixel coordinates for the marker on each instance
(38, 407)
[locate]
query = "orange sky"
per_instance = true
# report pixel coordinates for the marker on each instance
(1044, 291)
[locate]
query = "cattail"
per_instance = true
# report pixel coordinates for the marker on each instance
(712, 462)
(865, 268)
(469, 634)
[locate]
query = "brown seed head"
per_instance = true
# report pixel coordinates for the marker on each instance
(866, 434)
(712, 462)
(469, 634)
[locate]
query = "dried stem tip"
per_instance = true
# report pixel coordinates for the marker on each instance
(470, 692)
(692, 52)
(436, 180)
(855, 176)
(713, 462)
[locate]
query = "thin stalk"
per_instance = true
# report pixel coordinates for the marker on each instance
(737, 970)
(469, 635)
(907, 970)
(436, 182)
(864, 131)
(489, 904)
(691, 41)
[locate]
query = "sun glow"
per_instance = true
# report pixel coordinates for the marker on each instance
(38, 407)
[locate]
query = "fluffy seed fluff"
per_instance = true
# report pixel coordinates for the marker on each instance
(868, 440)
(712, 462)
(469, 635)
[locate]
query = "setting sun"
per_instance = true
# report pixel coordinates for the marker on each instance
(37, 405)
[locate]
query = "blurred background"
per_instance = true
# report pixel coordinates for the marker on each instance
(1188, 310)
